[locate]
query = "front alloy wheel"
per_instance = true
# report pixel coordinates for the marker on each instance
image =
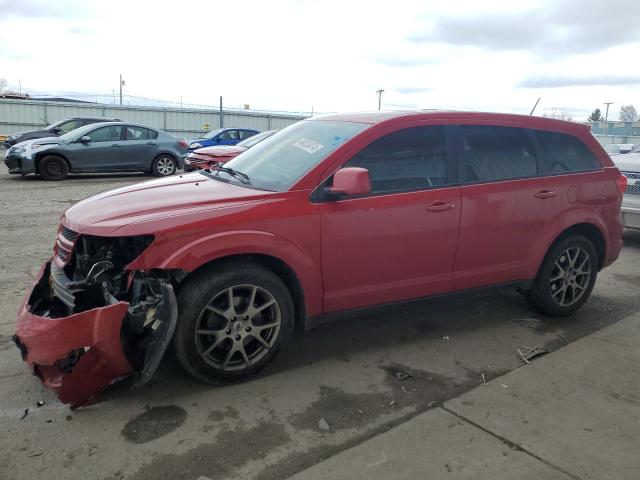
(235, 316)
(164, 166)
(237, 328)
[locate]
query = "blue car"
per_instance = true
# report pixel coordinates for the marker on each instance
(222, 136)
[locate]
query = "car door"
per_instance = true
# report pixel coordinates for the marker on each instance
(505, 205)
(102, 152)
(140, 147)
(228, 137)
(398, 242)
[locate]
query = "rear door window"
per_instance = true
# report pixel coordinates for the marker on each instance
(228, 135)
(565, 153)
(410, 159)
(140, 133)
(246, 134)
(491, 153)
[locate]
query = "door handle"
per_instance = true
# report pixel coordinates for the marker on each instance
(151, 143)
(440, 207)
(115, 145)
(545, 194)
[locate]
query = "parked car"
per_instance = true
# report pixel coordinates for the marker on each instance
(630, 167)
(54, 130)
(330, 215)
(107, 147)
(619, 148)
(222, 136)
(208, 156)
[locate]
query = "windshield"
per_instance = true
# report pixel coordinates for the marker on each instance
(282, 160)
(251, 141)
(212, 133)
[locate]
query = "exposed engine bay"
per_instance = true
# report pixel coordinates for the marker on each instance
(88, 273)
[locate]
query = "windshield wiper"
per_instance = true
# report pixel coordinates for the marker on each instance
(243, 177)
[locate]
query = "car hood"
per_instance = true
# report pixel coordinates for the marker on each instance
(155, 200)
(221, 151)
(627, 163)
(46, 141)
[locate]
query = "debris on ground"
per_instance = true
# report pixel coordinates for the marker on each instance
(504, 385)
(26, 412)
(90, 449)
(528, 353)
(39, 403)
(446, 338)
(532, 320)
(323, 425)
(484, 381)
(36, 454)
(68, 418)
(392, 403)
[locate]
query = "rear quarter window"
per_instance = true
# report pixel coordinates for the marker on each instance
(565, 154)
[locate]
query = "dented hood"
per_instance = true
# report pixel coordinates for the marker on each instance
(105, 212)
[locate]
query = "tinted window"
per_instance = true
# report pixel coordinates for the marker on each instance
(140, 133)
(70, 125)
(228, 135)
(106, 134)
(409, 159)
(565, 153)
(494, 153)
(246, 134)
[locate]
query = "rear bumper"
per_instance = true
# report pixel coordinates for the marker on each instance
(630, 213)
(75, 356)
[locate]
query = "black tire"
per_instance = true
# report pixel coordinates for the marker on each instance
(164, 166)
(558, 279)
(53, 167)
(197, 298)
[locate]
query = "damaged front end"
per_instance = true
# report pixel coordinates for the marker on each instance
(88, 321)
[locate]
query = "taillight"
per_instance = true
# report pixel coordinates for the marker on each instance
(183, 143)
(622, 182)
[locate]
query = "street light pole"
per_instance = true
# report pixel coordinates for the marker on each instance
(121, 83)
(379, 92)
(606, 115)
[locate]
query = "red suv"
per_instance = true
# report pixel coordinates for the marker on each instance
(330, 214)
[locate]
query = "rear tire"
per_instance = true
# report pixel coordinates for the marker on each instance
(53, 167)
(164, 166)
(566, 277)
(222, 340)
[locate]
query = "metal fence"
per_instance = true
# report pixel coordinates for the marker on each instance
(20, 115)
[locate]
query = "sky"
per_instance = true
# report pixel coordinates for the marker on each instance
(332, 55)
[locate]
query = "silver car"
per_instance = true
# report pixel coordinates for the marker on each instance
(629, 165)
(101, 147)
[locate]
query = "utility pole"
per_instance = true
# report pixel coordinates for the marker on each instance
(121, 84)
(379, 92)
(606, 115)
(221, 115)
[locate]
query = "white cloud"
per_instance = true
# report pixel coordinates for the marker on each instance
(329, 56)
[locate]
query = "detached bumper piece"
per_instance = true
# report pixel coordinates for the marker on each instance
(78, 355)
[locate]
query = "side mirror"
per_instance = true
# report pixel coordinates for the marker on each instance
(85, 139)
(350, 181)
(57, 131)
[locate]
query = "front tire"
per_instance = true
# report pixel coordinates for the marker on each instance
(53, 168)
(566, 277)
(164, 166)
(234, 319)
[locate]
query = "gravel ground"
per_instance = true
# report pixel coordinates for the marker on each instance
(267, 427)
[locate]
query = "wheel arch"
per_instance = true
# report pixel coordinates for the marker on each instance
(40, 155)
(278, 266)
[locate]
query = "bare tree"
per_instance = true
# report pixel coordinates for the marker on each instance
(628, 113)
(558, 114)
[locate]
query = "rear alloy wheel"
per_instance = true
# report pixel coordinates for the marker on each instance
(164, 166)
(566, 278)
(53, 168)
(233, 321)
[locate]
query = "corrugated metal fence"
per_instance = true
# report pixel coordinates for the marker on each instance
(20, 115)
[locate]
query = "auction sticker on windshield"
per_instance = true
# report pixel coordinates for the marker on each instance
(308, 145)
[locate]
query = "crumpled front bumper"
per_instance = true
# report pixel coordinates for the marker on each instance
(76, 356)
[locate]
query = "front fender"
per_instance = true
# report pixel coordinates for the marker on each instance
(197, 253)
